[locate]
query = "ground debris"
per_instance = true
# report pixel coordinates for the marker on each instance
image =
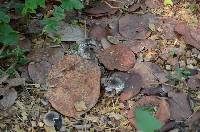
(190, 35)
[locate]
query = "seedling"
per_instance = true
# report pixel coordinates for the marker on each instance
(179, 74)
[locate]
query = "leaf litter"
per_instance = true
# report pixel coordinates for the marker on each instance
(120, 67)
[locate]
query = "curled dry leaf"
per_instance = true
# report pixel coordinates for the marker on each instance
(117, 57)
(7, 98)
(73, 80)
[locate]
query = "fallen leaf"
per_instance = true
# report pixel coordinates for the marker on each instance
(73, 79)
(38, 71)
(190, 35)
(14, 82)
(135, 7)
(34, 27)
(193, 83)
(167, 25)
(153, 3)
(139, 45)
(98, 32)
(52, 55)
(7, 98)
(117, 57)
(25, 44)
(161, 90)
(168, 126)
(150, 73)
(179, 106)
(193, 121)
(132, 87)
(69, 33)
(135, 26)
(163, 112)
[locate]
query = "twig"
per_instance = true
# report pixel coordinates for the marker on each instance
(113, 7)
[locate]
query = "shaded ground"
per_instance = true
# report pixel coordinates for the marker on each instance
(148, 55)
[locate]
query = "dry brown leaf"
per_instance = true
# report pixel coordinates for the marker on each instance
(74, 79)
(117, 57)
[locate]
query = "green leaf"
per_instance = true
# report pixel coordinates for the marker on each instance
(168, 2)
(146, 122)
(51, 24)
(19, 7)
(59, 13)
(11, 70)
(41, 3)
(7, 35)
(72, 4)
(4, 18)
(31, 5)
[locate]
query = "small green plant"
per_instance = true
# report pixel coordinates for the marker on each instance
(30, 6)
(9, 37)
(179, 74)
(52, 23)
(146, 122)
(168, 2)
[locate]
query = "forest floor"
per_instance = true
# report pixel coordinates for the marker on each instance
(113, 58)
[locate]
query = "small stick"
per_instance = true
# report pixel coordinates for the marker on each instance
(113, 7)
